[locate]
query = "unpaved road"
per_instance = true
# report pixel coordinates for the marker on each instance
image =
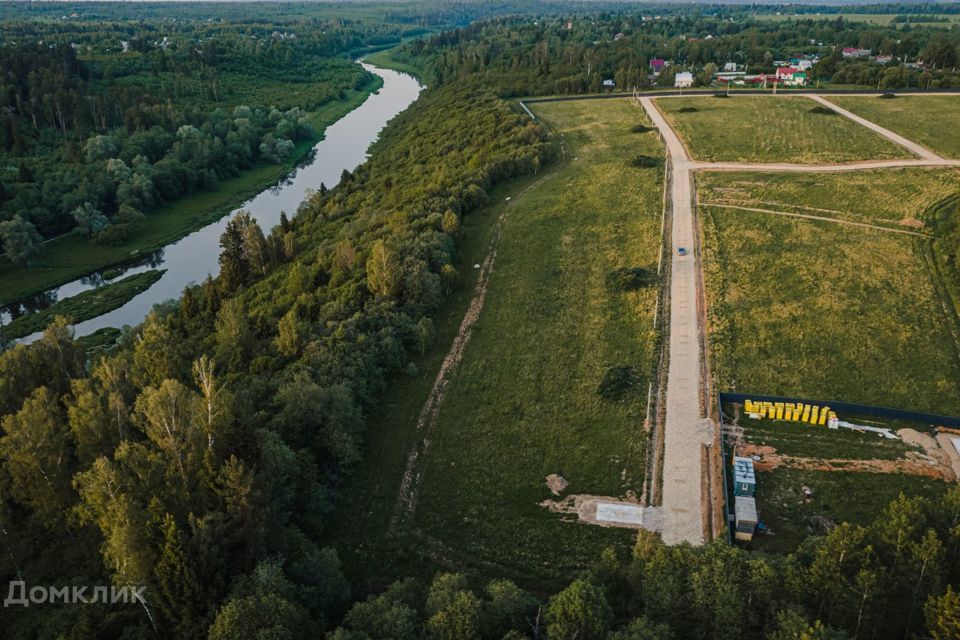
(916, 149)
(807, 216)
(793, 167)
(684, 431)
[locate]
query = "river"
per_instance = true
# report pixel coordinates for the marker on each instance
(344, 146)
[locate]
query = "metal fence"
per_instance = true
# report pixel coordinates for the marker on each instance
(851, 407)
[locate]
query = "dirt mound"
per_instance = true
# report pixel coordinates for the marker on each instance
(914, 437)
(556, 483)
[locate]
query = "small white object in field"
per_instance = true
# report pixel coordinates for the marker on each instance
(476, 266)
(507, 198)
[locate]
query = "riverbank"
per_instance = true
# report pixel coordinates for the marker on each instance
(385, 60)
(83, 306)
(71, 257)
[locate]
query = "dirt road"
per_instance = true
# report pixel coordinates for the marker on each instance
(696, 165)
(916, 149)
(684, 428)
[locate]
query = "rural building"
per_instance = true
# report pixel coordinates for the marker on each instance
(730, 67)
(791, 77)
(744, 478)
(852, 52)
(658, 65)
(609, 83)
(683, 80)
(745, 510)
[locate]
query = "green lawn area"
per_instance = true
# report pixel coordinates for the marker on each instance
(523, 402)
(880, 196)
(72, 256)
(838, 496)
(771, 129)
(823, 310)
(933, 121)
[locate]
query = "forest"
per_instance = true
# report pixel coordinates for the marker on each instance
(557, 55)
(201, 457)
(105, 123)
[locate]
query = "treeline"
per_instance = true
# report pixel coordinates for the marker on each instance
(888, 580)
(520, 56)
(201, 458)
(99, 126)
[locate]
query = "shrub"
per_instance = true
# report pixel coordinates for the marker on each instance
(640, 128)
(617, 382)
(887, 96)
(629, 278)
(823, 111)
(645, 161)
(687, 110)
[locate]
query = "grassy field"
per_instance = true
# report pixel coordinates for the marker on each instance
(71, 257)
(837, 497)
(523, 402)
(808, 441)
(933, 121)
(823, 310)
(86, 305)
(868, 18)
(894, 198)
(771, 129)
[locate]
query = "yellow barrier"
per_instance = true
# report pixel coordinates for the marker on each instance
(791, 412)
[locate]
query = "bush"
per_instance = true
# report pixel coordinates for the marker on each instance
(113, 235)
(687, 110)
(721, 95)
(645, 161)
(617, 382)
(887, 96)
(823, 111)
(630, 278)
(640, 128)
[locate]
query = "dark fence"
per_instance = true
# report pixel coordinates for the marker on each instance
(851, 407)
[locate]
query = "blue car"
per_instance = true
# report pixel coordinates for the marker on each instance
(682, 251)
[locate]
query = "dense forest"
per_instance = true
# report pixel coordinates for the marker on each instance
(561, 55)
(103, 123)
(201, 457)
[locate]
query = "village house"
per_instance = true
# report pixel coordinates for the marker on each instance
(658, 65)
(683, 80)
(853, 52)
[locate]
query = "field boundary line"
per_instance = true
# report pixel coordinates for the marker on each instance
(807, 216)
(406, 503)
(793, 167)
(915, 148)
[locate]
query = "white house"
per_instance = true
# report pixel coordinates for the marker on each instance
(683, 80)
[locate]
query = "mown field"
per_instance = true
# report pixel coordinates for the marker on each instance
(771, 129)
(824, 310)
(837, 496)
(524, 401)
(933, 121)
(897, 198)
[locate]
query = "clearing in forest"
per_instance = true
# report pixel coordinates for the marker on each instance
(933, 121)
(792, 129)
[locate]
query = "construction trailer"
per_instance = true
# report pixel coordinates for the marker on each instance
(744, 478)
(745, 509)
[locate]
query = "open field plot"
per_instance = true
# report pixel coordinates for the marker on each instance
(934, 19)
(897, 198)
(771, 129)
(823, 310)
(523, 402)
(835, 497)
(933, 121)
